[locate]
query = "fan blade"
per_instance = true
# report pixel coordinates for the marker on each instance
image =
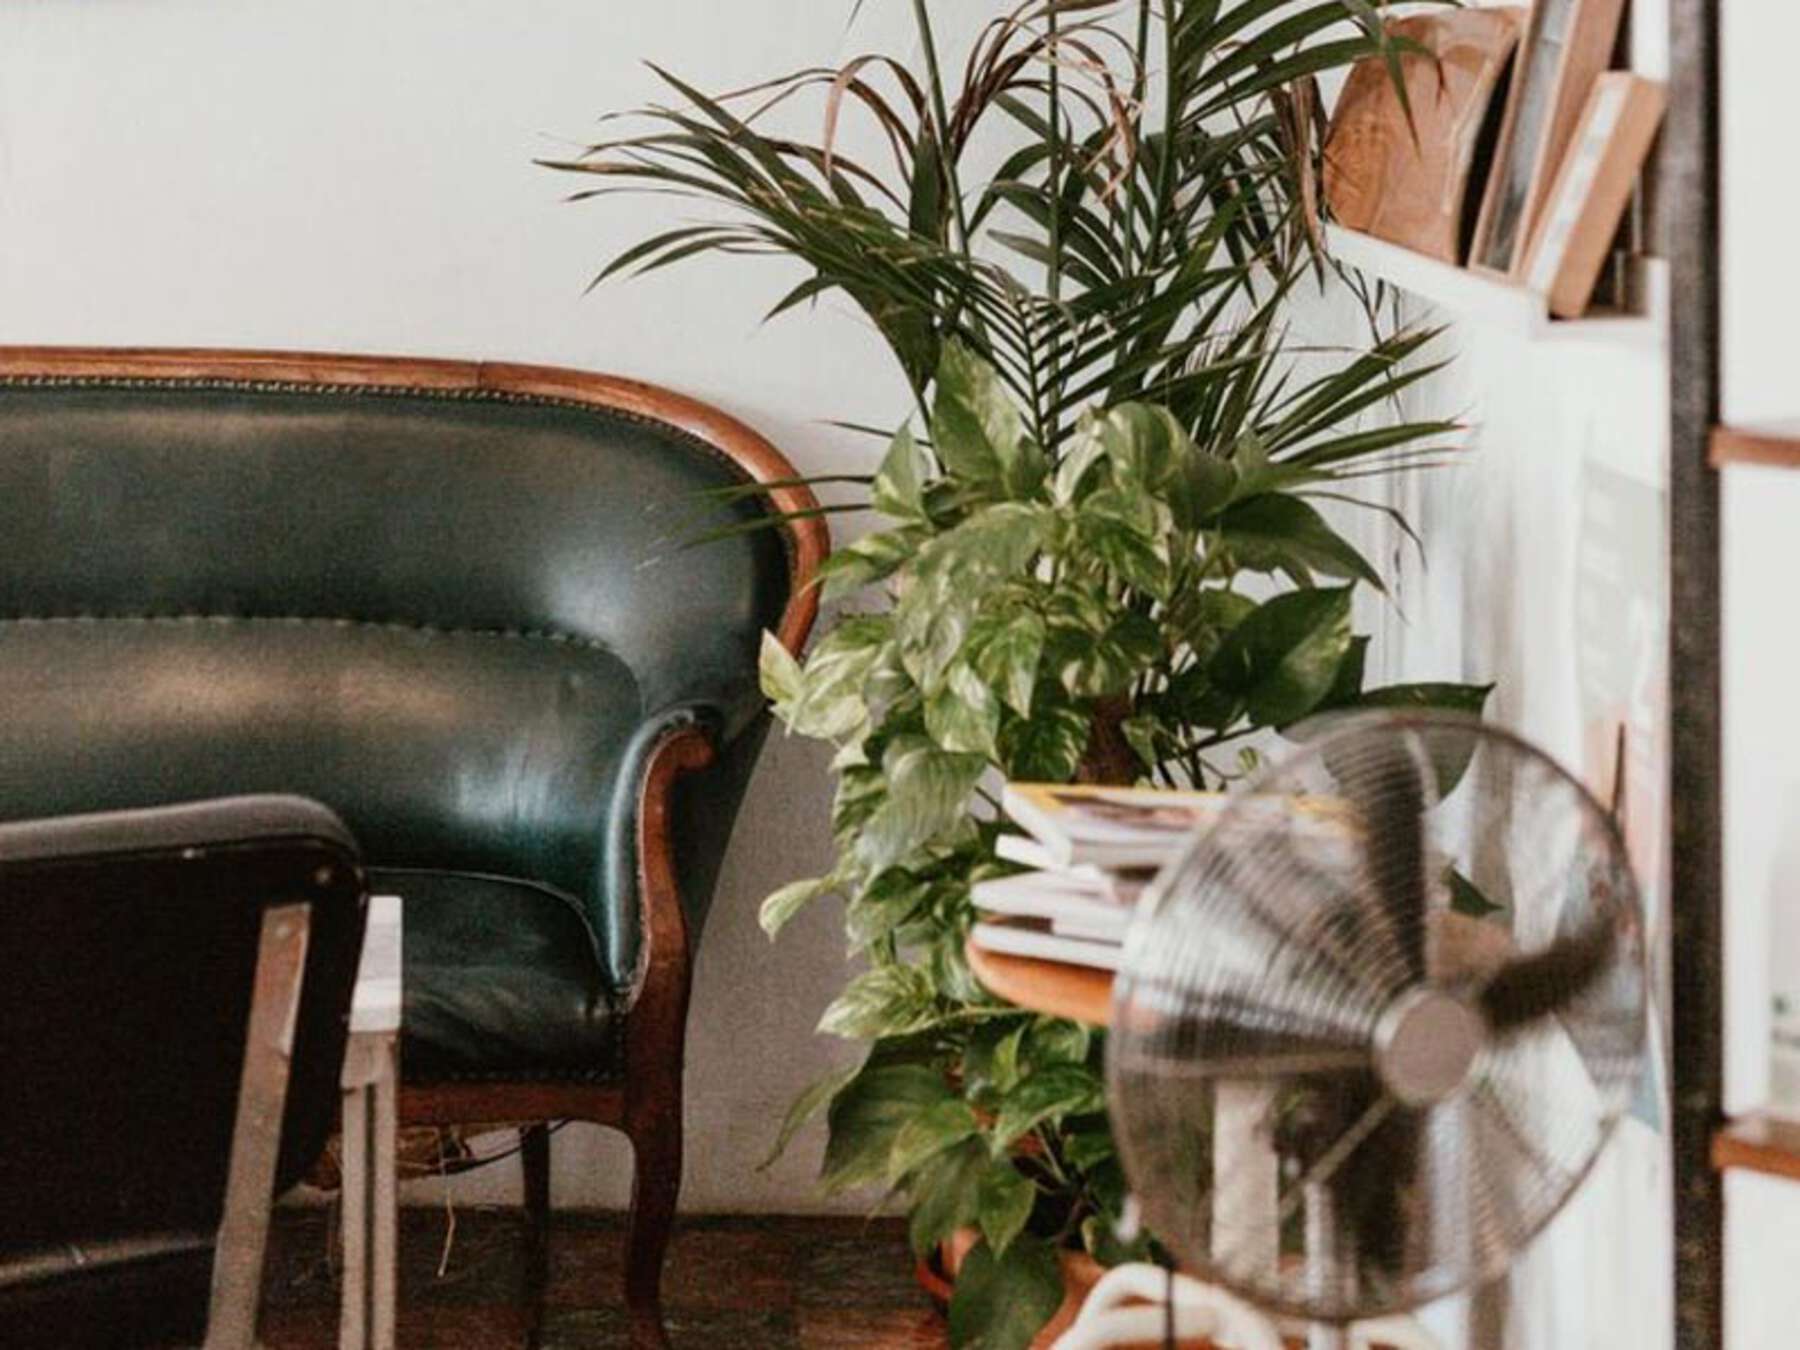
(1279, 899)
(1548, 982)
(1355, 1144)
(1391, 788)
(1236, 1038)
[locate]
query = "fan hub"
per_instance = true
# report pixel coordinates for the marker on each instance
(1426, 1043)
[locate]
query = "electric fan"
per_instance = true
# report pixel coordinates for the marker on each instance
(1374, 1027)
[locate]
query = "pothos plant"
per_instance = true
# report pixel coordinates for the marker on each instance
(1100, 612)
(1100, 553)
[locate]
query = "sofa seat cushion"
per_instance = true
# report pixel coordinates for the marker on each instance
(501, 979)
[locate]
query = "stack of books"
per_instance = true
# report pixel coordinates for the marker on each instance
(1092, 850)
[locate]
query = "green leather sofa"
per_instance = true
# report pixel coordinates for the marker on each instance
(462, 605)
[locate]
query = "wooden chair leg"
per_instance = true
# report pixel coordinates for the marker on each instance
(655, 1187)
(534, 1158)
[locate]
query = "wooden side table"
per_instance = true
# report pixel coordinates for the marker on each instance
(371, 1085)
(1079, 993)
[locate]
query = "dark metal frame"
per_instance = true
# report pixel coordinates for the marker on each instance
(1689, 196)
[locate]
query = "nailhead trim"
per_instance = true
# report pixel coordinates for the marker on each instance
(395, 391)
(551, 636)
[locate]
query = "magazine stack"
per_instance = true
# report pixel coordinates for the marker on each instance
(1091, 851)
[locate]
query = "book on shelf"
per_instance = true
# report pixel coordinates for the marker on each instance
(1037, 938)
(1094, 928)
(1061, 898)
(1108, 827)
(1091, 852)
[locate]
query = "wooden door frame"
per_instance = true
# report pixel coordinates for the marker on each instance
(1689, 199)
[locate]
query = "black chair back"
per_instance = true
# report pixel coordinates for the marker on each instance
(128, 951)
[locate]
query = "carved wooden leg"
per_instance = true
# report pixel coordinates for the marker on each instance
(655, 1185)
(534, 1159)
(656, 1039)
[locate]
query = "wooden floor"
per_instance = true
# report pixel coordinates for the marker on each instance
(744, 1284)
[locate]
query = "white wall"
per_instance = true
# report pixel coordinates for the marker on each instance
(356, 176)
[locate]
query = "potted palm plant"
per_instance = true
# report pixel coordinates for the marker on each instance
(1105, 549)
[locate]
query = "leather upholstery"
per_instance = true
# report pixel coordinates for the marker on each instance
(500, 980)
(462, 620)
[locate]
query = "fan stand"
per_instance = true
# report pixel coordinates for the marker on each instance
(1323, 1254)
(1138, 1303)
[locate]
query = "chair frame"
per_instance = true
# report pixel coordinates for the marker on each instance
(646, 1105)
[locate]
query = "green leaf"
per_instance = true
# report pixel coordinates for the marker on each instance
(1146, 734)
(927, 792)
(829, 703)
(1276, 532)
(928, 1134)
(866, 561)
(1006, 652)
(1086, 1149)
(1056, 1040)
(1283, 659)
(1193, 700)
(1202, 484)
(978, 431)
(1047, 747)
(974, 424)
(784, 904)
(888, 901)
(1002, 1301)
(1142, 442)
(946, 1194)
(963, 715)
(1005, 1202)
(1081, 453)
(1466, 897)
(1203, 615)
(807, 1105)
(925, 215)
(866, 1115)
(1347, 687)
(898, 490)
(1122, 533)
(954, 574)
(1049, 1093)
(1469, 699)
(890, 1000)
(1094, 667)
(779, 671)
(991, 1059)
(861, 792)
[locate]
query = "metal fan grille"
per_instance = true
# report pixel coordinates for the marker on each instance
(1342, 1087)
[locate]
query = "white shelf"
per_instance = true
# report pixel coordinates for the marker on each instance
(1488, 300)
